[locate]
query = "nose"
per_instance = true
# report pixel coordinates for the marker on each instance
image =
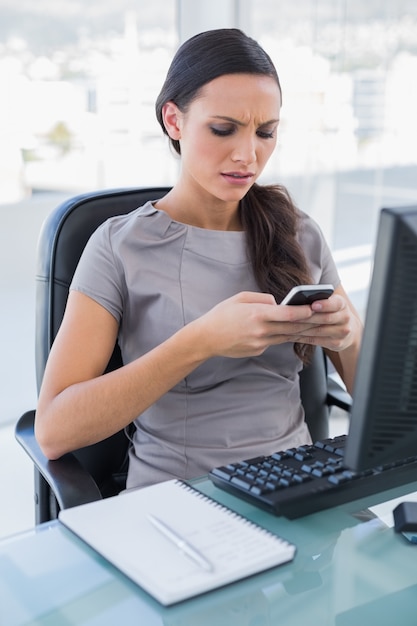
(244, 150)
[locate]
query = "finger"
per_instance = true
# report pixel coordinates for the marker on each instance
(255, 297)
(293, 333)
(333, 304)
(290, 313)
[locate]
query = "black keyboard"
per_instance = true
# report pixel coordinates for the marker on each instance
(310, 478)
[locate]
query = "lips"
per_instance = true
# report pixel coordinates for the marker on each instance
(238, 177)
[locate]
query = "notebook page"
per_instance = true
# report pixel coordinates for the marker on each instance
(119, 528)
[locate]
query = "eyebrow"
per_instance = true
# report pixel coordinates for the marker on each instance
(225, 118)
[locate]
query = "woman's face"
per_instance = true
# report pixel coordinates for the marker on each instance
(228, 134)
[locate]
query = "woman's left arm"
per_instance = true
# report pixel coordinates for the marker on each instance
(345, 359)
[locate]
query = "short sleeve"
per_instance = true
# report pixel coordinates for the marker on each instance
(317, 252)
(98, 272)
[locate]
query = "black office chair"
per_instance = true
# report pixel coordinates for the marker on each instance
(99, 470)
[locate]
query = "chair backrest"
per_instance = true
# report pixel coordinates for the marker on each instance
(62, 240)
(314, 395)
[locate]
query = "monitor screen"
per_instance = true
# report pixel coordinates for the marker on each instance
(383, 424)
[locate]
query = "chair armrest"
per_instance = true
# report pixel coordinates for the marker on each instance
(337, 394)
(70, 483)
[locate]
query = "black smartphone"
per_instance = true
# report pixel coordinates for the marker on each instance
(306, 294)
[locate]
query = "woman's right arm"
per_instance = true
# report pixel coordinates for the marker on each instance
(79, 405)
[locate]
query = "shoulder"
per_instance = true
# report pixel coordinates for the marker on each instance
(310, 233)
(317, 251)
(145, 224)
(127, 221)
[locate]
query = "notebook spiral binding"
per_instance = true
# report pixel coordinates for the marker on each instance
(230, 512)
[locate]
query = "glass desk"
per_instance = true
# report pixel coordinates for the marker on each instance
(350, 569)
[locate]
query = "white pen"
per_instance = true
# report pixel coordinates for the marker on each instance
(182, 544)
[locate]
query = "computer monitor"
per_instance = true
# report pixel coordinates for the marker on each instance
(383, 425)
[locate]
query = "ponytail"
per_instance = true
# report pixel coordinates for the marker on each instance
(270, 220)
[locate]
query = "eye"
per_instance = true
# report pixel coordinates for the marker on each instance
(222, 131)
(266, 134)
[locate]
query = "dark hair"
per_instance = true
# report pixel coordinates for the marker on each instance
(207, 56)
(268, 214)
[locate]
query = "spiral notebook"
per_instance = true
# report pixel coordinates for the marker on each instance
(174, 541)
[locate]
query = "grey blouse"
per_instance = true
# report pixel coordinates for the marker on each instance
(154, 275)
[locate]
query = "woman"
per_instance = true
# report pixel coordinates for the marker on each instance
(190, 286)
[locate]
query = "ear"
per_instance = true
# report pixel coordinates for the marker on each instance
(172, 116)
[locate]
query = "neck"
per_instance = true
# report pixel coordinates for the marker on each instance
(212, 215)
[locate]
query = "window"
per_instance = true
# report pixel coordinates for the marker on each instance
(349, 102)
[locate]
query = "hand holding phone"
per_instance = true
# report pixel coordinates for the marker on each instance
(306, 294)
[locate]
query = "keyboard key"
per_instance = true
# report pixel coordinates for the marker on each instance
(257, 490)
(223, 472)
(302, 456)
(301, 478)
(241, 482)
(279, 456)
(338, 479)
